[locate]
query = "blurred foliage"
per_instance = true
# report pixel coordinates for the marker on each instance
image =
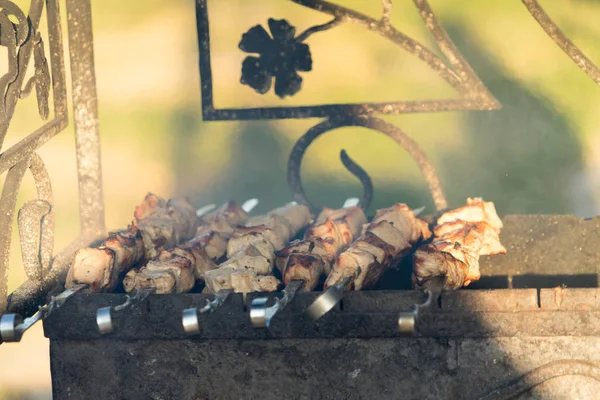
(539, 154)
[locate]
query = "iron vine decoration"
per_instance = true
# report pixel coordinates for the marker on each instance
(282, 54)
(280, 57)
(20, 35)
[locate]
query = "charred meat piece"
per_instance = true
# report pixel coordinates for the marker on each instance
(251, 249)
(342, 225)
(476, 210)
(101, 267)
(459, 231)
(304, 267)
(255, 257)
(157, 223)
(389, 236)
(197, 255)
(245, 236)
(223, 220)
(230, 212)
(175, 274)
(444, 258)
(458, 243)
(315, 246)
(297, 216)
(240, 281)
(332, 232)
(404, 220)
(163, 224)
(276, 228)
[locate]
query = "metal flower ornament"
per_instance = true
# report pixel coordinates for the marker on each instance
(280, 57)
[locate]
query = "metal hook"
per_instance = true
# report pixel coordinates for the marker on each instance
(189, 319)
(327, 300)
(13, 326)
(261, 315)
(407, 320)
(104, 314)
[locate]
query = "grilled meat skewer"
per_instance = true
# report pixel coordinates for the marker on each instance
(303, 261)
(178, 269)
(390, 235)
(332, 232)
(251, 251)
(462, 235)
(158, 224)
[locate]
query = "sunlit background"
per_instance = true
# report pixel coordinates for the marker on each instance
(539, 154)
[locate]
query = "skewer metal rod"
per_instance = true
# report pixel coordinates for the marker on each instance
(13, 326)
(407, 320)
(104, 314)
(327, 300)
(261, 315)
(189, 318)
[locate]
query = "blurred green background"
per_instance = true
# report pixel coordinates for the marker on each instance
(539, 154)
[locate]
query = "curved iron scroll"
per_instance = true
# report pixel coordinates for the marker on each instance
(542, 374)
(370, 122)
(280, 54)
(36, 223)
(20, 34)
(562, 41)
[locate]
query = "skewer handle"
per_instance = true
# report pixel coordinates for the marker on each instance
(104, 314)
(13, 326)
(261, 315)
(407, 320)
(189, 319)
(327, 300)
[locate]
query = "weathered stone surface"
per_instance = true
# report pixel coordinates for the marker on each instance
(309, 369)
(547, 245)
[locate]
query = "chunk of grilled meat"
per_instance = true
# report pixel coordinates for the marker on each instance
(163, 224)
(240, 281)
(157, 223)
(177, 270)
(171, 272)
(403, 219)
(194, 257)
(252, 247)
(476, 210)
(457, 231)
(308, 259)
(458, 244)
(223, 220)
(389, 236)
(101, 267)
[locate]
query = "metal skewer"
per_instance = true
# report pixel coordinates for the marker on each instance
(104, 314)
(407, 320)
(189, 319)
(334, 294)
(13, 326)
(260, 314)
(327, 300)
(205, 210)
